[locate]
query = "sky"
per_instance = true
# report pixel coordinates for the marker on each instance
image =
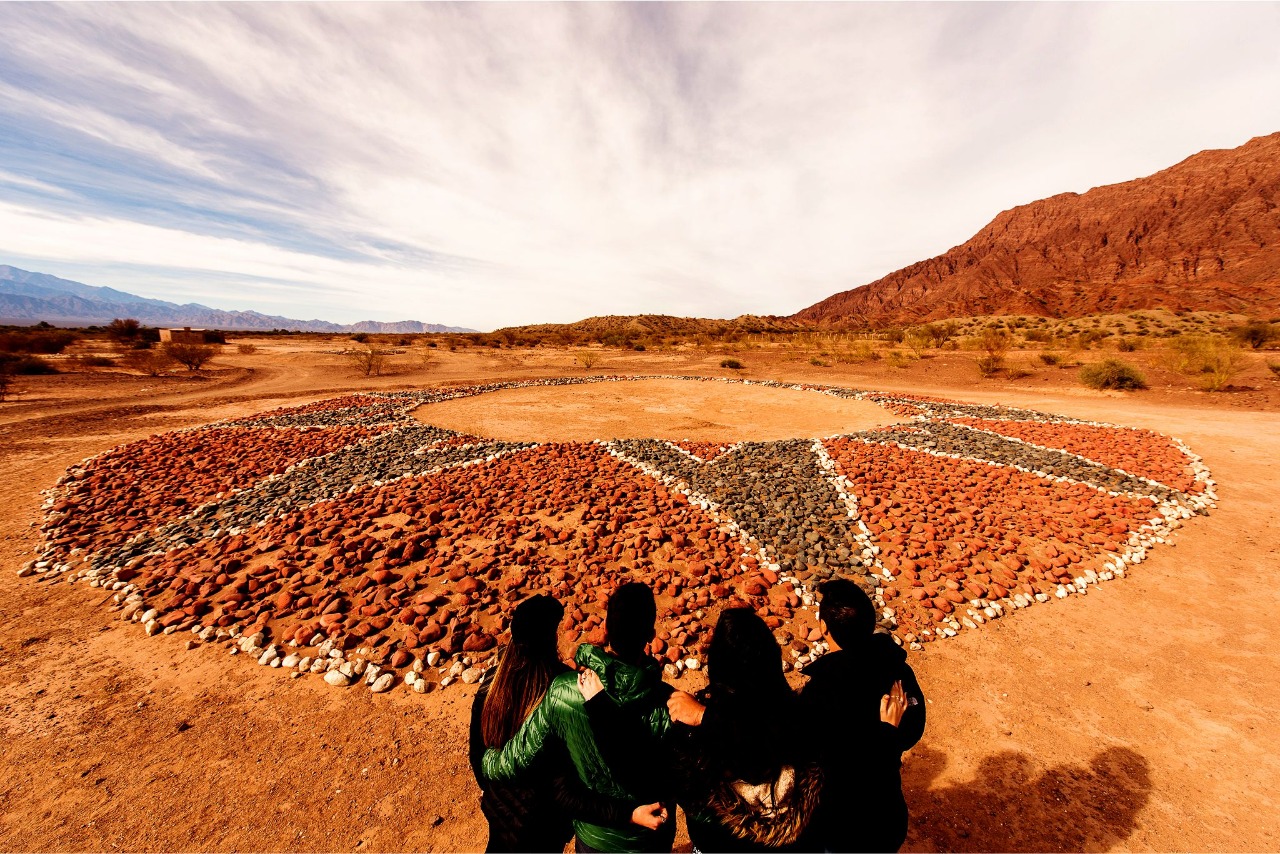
(486, 165)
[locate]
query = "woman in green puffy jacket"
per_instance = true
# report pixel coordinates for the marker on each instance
(634, 681)
(534, 811)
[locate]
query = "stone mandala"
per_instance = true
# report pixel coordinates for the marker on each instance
(346, 538)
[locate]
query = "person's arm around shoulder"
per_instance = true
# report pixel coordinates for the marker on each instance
(902, 713)
(913, 719)
(515, 757)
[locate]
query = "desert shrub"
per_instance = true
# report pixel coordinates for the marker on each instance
(360, 337)
(1038, 335)
(6, 381)
(897, 359)
(990, 365)
(1275, 367)
(369, 361)
(1018, 372)
(586, 358)
(1126, 345)
(1211, 360)
(152, 361)
(192, 356)
(918, 339)
(893, 336)
(29, 366)
(733, 364)
(247, 349)
(994, 342)
(45, 342)
(1051, 358)
(1112, 373)
(124, 329)
(92, 361)
(639, 348)
(817, 363)
(856, 353)
(1255, 334)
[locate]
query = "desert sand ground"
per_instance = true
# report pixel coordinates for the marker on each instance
(1137, 717)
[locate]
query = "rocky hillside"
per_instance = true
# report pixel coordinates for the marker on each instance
(1201, 235)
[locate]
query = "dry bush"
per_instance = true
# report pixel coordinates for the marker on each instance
(1275, 367)
(732, 364)
(425, 358)
(918, 339)
(855, 353)
(192, 356)
(246, 349)
(897, 359)
(587, 359)
(994, 342)
(369, 361)
(989, 365)
(6, 381)
(1112, 373)
(153, 362)
(1212, 360)
(1051, 358)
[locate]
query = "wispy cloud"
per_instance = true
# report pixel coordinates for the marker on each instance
(494, 164)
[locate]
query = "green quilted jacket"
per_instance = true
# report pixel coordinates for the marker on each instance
(637, 689)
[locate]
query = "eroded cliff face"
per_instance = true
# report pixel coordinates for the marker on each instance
(1201, 235)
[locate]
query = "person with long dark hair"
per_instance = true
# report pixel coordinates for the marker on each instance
(534, 811)
(745, 780)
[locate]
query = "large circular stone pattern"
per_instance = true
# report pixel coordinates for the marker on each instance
(350, 539)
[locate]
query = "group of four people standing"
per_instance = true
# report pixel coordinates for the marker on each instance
(603, 755)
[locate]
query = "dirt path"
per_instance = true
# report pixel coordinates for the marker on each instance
(1137, 717)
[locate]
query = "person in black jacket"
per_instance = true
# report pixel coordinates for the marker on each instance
(865, 707)
(534, 813)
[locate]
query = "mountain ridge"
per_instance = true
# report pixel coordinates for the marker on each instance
(1203, 234)
(33, 297)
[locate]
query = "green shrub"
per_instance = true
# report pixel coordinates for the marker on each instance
(1124, 345)
(1050, 358)
(817, 363)
(731, 363)
(1112, 373)
(639, 348)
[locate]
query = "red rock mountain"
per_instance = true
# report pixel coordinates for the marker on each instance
(1201, 235)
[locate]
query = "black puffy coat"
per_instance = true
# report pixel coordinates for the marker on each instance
(862, 806)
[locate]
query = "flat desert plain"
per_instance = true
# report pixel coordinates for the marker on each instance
(1140, 716)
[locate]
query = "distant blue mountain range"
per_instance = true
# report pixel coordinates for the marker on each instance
(28, 298)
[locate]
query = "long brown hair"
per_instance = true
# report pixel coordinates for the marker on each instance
(525, 671)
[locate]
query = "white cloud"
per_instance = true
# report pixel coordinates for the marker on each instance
(566, 160)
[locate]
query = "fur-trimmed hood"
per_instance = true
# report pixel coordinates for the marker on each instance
(771, 814)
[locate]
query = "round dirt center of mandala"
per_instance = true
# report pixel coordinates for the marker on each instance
(657, 408)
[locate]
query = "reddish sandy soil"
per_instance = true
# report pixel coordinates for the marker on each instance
(654, 409)
(1136, 717)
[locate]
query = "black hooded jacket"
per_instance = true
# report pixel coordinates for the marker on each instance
(862, 806)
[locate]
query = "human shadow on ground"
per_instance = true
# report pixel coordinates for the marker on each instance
(1016, 804)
